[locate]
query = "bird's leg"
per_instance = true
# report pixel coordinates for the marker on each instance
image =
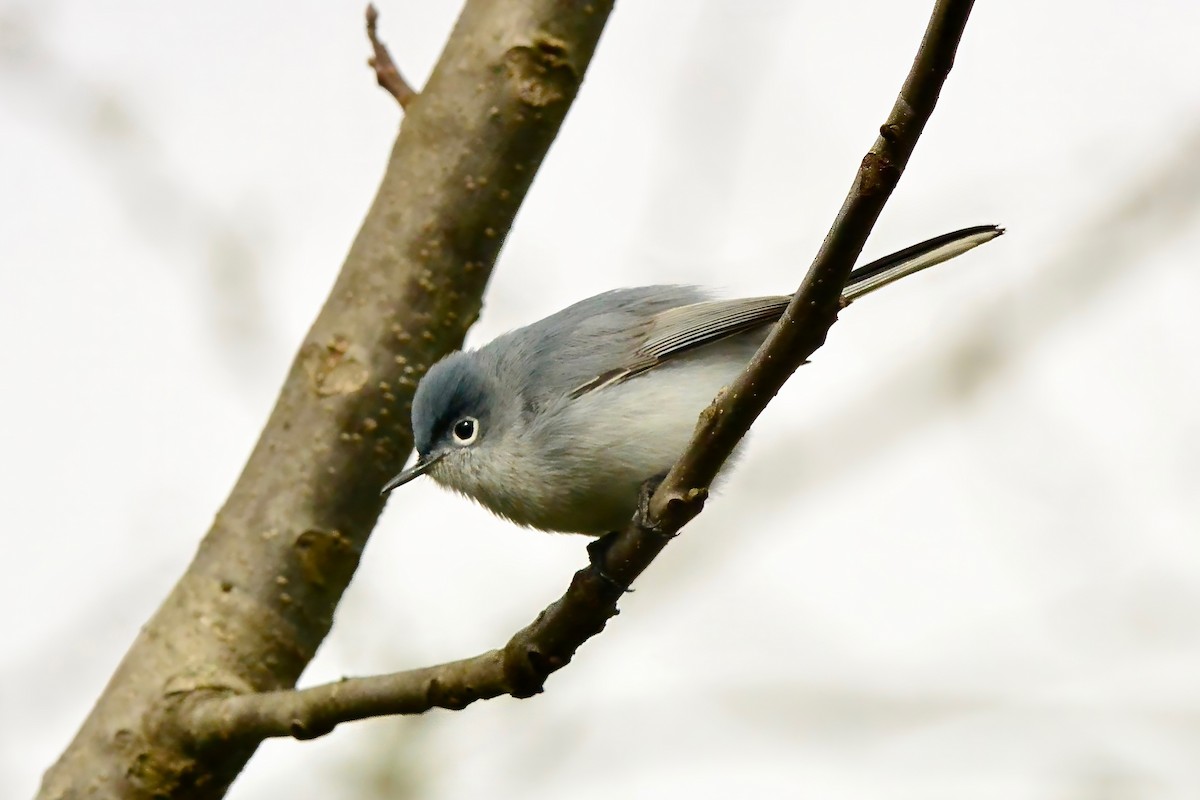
(598, 552)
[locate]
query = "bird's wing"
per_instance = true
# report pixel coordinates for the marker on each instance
(686, 327)
(678, 330)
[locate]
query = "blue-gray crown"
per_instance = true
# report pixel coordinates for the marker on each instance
(454, 387)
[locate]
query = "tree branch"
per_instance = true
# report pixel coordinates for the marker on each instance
(386, 72)
(521, 667)
(518, 669)
(259, 596)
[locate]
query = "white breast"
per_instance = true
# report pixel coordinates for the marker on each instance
(598, 450)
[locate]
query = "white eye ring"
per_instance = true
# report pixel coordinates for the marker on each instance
(465, 431)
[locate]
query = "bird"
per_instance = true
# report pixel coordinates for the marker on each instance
(557, 425)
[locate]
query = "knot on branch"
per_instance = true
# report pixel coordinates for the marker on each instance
(440, 695)
(526, 668)
(541, 74)
(877, 175)
(677, 507)
(332, 369)
(305, 727)
(325, 554)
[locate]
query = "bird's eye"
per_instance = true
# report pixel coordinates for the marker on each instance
(466, 430)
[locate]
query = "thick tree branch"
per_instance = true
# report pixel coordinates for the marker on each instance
(521, 667)
(259, 596)
(386, 72)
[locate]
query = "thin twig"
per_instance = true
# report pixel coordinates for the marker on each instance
(386, 72)
(521, 667)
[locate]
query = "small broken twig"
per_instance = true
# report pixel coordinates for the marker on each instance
(386, 73)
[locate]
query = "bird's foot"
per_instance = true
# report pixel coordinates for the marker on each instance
(597, 553)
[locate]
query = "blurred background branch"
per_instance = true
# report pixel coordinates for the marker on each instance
(219, 252)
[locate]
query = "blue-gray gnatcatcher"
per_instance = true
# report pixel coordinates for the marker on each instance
(558, 424)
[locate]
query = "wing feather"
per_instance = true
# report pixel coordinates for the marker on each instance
(683, 328)
(679, 329)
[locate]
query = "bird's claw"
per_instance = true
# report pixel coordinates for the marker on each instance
(645, 495)
(597, 550)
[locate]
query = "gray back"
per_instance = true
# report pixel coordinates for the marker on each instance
(545, 361)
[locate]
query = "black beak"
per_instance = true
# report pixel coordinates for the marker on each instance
(423, 465)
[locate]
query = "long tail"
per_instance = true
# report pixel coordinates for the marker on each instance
(878, 274)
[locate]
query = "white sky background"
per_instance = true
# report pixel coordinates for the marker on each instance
(960, 558)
